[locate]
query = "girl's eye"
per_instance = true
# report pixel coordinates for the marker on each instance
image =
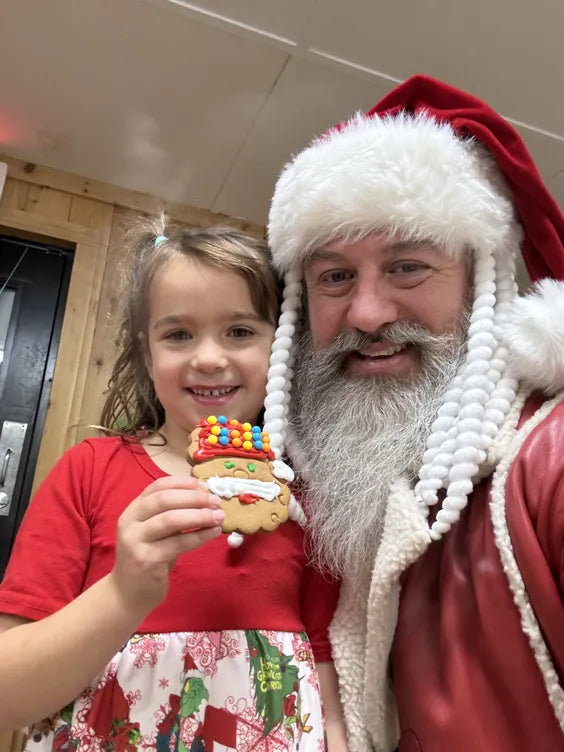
(241, 332)
(178, 336)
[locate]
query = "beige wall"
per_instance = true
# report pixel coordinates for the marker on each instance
(89, 217)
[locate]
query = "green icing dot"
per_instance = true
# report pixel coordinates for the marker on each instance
(229, 465)
(251, 467)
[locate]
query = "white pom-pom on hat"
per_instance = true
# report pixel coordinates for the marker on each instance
(534, 335)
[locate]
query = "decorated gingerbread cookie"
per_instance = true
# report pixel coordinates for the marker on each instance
(238, 465)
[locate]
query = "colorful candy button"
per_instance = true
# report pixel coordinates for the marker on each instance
(246, 426)
(212, 439)
(234, 433)
(224, 432)
(237, 443)
(247, 445)
(247, 435)
(211, 419)
(233, 422)
(258, 445)
(224, 440)
(215, 430)
(221, 419)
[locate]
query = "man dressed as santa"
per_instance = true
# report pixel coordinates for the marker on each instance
(426, 418)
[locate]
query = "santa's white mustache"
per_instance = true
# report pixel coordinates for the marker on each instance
(399, 333)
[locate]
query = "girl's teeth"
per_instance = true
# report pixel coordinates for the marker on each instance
(212, 392)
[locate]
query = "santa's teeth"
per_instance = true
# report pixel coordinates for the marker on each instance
(384, 353)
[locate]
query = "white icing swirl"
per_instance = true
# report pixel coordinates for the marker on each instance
(228, 487)
(281, 470)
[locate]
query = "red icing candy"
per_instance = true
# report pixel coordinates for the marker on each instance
(248, 498)
(207, 451)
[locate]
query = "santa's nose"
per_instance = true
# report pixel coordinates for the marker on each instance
(370, 308)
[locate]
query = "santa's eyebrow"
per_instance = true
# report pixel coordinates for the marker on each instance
(396, 246)
(399, 246)
(321, 254)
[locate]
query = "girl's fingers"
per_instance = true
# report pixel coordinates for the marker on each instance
(163, 500)
(171, 548)
(173, 481)
(177, 521)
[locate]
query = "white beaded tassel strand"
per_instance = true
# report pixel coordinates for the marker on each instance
(454, 450)
(279, 379)
(477, 387)
(443, 441)
(281, 359)
(503, 394)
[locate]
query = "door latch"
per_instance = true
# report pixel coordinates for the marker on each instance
(11, 444)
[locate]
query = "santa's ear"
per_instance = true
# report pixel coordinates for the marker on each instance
(534, 335)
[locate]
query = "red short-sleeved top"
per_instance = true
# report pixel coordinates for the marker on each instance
(67, 542)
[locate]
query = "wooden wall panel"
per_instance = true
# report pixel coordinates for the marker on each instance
(15, 194)
(48, 203)
(74, 357)
(139, 202)
(103, 351)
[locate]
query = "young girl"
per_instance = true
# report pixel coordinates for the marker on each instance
(126, 618)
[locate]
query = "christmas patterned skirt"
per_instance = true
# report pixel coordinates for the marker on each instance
(196, 692)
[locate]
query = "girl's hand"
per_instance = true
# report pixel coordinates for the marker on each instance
(172, 515)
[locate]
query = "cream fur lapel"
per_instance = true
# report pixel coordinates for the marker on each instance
(364, 624)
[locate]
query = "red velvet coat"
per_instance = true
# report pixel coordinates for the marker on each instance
(464, 674)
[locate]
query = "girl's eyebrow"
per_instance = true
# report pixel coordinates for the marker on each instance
(232, 316)
(237, 315)
(172, 319)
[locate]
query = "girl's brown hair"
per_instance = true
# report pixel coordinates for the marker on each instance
(131, 405)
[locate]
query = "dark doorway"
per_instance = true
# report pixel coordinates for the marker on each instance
(34, 281)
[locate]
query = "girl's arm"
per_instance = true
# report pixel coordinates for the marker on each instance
(334, 717)
(48, 663)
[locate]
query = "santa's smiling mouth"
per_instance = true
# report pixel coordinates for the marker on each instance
(382, 351)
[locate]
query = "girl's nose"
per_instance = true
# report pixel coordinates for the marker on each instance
(209, 357)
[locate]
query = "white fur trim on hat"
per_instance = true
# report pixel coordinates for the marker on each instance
(534, 335)
(408, 175)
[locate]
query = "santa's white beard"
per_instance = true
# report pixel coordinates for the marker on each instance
(353, 436)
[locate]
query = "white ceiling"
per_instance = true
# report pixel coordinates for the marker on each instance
(204, 103)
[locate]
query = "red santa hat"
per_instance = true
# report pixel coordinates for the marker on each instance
(432, 162)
